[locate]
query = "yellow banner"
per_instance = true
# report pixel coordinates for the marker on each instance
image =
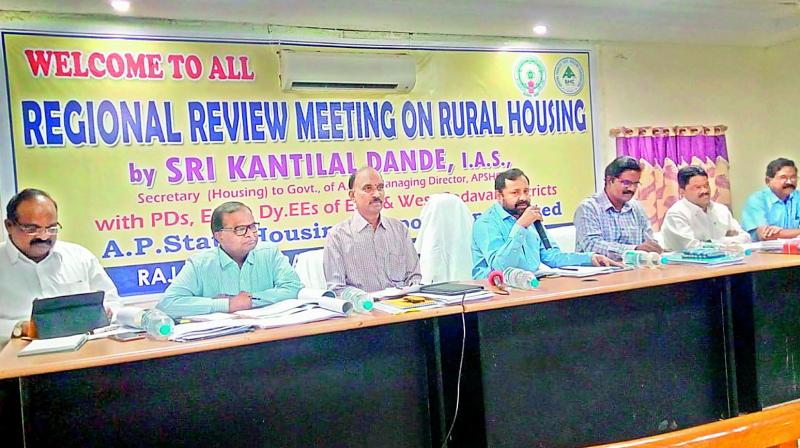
(139, 139)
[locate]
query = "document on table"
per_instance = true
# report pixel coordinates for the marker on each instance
(54, 345)
(578, 271)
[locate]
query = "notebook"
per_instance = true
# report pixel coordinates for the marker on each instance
(54, 345)
(405, 304)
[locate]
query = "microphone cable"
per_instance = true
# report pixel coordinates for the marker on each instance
(460, 368)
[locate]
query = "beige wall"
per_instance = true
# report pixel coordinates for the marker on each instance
(665, 85)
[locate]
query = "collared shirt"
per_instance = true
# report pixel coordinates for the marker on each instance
(763, 208)
(265, 274)
(498, 242)
(370, 259)
(687, 224)
(67, 269)
(601, 229)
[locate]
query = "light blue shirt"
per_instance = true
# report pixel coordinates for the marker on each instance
(498, 242)
(265, 274)
(763, 208)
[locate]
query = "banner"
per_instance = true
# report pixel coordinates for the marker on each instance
(139, 139)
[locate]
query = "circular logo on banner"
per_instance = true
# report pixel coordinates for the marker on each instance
(530, 75)
(569, 77)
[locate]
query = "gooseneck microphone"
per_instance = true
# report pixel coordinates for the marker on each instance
(542, 235)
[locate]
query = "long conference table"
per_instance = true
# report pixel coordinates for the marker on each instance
(576, 362)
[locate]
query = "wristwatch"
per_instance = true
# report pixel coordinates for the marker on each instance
(17, 331)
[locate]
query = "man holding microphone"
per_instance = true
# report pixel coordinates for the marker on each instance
(510, 233)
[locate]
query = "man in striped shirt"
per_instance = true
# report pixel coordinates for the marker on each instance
(369, 251)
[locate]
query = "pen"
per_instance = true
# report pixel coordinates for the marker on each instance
(569, 269)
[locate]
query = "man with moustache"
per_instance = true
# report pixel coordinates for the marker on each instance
(238, 275)
(35, 264)
(696, 218)
(505, 236)
(611, 222)
(774, 211)
(369, 251)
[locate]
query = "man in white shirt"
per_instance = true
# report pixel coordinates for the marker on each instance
(34, 265)
(696, 218)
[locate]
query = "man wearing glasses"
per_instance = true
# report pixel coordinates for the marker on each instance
(33, 264)
(369, 251)
(506, 235)
(611, 222)
(238, 275)
(774, 211)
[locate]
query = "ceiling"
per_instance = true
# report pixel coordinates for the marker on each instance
(729, 22)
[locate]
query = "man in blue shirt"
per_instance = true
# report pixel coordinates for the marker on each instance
(505, 236)
(238, 275)
(774, 211)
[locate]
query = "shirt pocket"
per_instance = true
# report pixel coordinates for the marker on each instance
(396, 265)
(65, 288)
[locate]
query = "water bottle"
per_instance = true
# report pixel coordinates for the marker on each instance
(735, 250)
(155, 322)
(520, 278)
(636, 258)
(655, 259)
(361, 300)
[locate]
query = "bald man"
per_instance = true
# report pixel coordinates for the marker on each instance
(369, 251)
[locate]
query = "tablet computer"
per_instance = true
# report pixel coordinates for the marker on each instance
(450, 288)
(67, 315)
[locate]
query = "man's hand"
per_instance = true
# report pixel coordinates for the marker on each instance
(239, 302)
(768, 232)
(529, 216)
(731, 232)
(602, 260)
(650, 246)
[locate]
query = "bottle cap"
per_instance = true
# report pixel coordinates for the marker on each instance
(367, 305)
(534, 282)
(164, 330)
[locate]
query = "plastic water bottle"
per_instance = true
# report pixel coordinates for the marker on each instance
(155, 322)
(636, 258)
(520, 278)
(735, 250)
(361, 300)
(654, 259)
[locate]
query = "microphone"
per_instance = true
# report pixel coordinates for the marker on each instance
(542, 235)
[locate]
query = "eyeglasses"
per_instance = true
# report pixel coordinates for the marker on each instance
(369, 189)
(241, 230)
(33, 229)
(628, 183)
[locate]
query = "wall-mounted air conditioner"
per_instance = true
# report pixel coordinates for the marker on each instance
(314, 70)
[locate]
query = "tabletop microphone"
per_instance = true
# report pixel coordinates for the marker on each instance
(497, 279)
(542, 235)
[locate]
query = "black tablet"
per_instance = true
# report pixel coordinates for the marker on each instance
(450, 288)
(68, 315)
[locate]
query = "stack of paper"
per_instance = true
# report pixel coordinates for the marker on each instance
(54, 345)
(203, 330)
(456, 298)
(577, 271)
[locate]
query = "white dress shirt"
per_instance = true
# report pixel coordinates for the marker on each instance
(687, 223)
(67, 269)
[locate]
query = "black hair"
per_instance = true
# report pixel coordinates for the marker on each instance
(686, 173)
(222, 210)
(22, 196)
(512, 174)
(620, 165)
(777, 164)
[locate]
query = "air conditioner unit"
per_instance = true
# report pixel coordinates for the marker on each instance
(314, 70)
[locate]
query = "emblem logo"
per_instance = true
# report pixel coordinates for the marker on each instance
(569, 76)
(530, 75)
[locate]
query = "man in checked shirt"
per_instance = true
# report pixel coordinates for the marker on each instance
(369, 251)
(611, 221)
